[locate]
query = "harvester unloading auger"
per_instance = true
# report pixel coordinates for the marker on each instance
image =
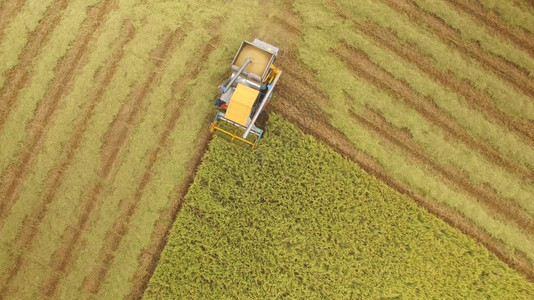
(245, 94)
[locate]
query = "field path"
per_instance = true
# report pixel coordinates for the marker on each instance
(114, 140)
(29, 229)
(7, 11)
(475, 99)
(494, 25)
(18, 76)
(66, 70)
(501, 67)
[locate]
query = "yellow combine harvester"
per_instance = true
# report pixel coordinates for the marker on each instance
(245, 94)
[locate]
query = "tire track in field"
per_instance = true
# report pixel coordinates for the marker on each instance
(516, 76)
(114, 140)
(504, 210)
(7, 11)
(477, 100)
(128, 206)
(75, 59)
(18, 76)
(30, 224)
(494, 25)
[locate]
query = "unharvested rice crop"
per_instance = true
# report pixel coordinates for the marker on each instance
(295, 220)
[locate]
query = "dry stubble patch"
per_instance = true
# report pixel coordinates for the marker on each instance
(517, 77)
(494, 25)
(19, 75)
(147, 265)
(478, 100)
(128, 206)
(30, 224)
(66, 70)
(7, 11)
(502, 209)
(114, 140)
(359, 62)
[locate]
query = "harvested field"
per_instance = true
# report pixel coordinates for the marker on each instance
(104, 108)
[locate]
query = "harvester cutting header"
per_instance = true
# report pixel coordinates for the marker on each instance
(245, 94)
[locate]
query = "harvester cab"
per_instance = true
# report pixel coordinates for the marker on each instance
(245, 94)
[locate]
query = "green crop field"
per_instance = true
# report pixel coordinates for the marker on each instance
(295, 220)
(105, 105)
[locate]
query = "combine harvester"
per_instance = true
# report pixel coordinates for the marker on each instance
(245, 94)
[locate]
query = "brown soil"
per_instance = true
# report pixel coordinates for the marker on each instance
(476, 99)
(8, 10)
(494, 25)
(114, 141)
(66, 70)
(18, 76)
(515, 75)
(29, 229)
(120, 228)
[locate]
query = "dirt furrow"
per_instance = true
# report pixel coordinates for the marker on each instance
(477, 100)
(29, 229)
(115, 139)
(18, 76)
(66, 70)
(8, 10)
(516, 76)
(494, 25)
(503, 209)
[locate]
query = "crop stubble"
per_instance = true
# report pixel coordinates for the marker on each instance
(120, 227)
(476, 99)
(501, 208)
(55, 178)
(150, 256)
(502, 68)
(18, 76)
(7, 11)
(113, 142)
(74, 60)
(479, 100)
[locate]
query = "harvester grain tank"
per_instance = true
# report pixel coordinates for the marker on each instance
(245, 94)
